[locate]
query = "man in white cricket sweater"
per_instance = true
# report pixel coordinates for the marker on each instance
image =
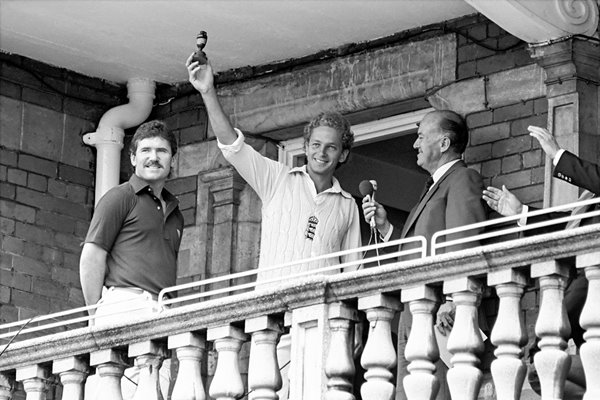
(305, 212)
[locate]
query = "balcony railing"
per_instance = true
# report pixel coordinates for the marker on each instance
(319, 309)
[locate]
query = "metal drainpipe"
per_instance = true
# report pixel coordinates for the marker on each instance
(108, 138)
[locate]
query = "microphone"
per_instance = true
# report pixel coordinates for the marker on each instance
(368, 188)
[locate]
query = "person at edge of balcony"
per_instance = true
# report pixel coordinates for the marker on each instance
(451, 198)
(586, 175)
(130, 252)
(305, 212)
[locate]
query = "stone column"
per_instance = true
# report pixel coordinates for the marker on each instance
(339, 365)
(572, 69)
(110, 365)
(149, 357)
(590, 321)
(464, 342)
(422, 348)
(224, 185)
(508, 335)
(34, 379)
(379, 356)
(190, 348)
(72, 371)
(552, 327)
(264, 378)
(227, 383)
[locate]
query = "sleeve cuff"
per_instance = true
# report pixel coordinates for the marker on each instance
(557, 157)
(235, 146)
(388, 235)
(523, 220)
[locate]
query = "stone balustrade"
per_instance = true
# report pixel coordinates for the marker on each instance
(321, 312)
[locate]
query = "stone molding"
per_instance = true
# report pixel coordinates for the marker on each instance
(541, 21)
(347, 84)
(490, 91)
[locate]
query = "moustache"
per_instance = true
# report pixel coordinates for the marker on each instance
(153, 164)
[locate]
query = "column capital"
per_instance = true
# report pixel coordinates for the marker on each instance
(541, 21)
(224, 184)
(568, 60)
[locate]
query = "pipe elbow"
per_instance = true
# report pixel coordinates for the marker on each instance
(140, 92)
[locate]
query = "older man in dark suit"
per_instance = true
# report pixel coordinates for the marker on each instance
(451, 198)
(452, 195)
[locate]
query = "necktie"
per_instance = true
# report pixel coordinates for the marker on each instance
(586, 195)
(428, 185)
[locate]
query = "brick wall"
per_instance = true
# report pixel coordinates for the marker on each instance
(506, 154)
(185, 189)
(500, 147)
(184, 115)
(46, 182)
(485, 48)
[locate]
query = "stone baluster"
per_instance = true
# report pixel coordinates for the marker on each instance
(34, 379)
(508, 335)
(110, 365)
(227, 382)
(379, 358)
(264, 378)
(149, 356)
(590, 321)
(339, 365)
(464, 342)
(6, 386)
(190, 349)
(72, 372)
(552, 327)
(421, 349)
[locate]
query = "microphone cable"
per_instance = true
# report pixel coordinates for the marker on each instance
(17, 334)
(372, 240)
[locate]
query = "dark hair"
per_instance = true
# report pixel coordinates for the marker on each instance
(456, 128)
(152, 129)
(333, 120)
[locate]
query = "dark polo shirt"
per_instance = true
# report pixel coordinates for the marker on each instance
(141, 241)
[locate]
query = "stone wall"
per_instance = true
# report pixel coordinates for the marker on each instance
(46, 182)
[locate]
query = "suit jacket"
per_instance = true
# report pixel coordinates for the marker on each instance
(454, 200)
(578, 172)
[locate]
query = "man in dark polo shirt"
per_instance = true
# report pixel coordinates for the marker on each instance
(130, 251)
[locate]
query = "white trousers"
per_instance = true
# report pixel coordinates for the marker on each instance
(117, 305)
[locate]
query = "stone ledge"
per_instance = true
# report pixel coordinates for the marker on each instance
(235, 309)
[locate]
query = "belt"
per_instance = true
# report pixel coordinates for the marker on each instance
(133, 290)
